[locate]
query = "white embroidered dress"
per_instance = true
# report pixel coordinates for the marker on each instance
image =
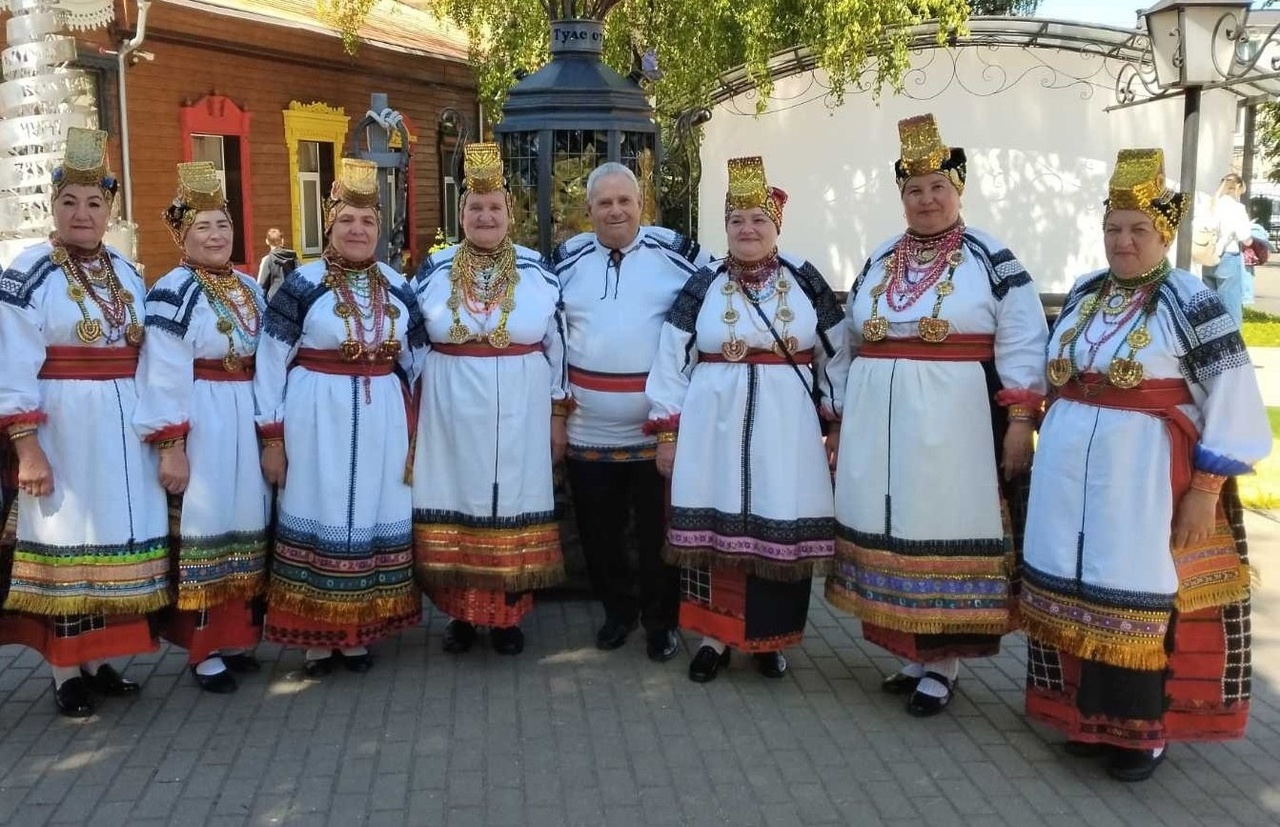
(226, 506)
(107, 506)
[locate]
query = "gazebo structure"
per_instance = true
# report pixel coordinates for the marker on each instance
(564, 120)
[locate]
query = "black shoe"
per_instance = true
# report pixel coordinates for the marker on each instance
(358, 663)
(220, 683)
(1134, 764)
(317, 668)
(109, 683)
(613, 633)
(508, 640)
(770, 664)
(1085, 749)
(706, 663)
(72, 699)
(243, 662)
(899, 683)
(459, 636)
(662, 645)
(924, 706)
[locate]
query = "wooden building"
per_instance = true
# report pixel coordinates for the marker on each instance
(266, 91)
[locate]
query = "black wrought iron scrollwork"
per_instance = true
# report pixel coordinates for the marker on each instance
(1246, 50)
(681, 170)
(451, 123)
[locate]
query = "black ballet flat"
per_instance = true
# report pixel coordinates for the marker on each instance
(72, 699)
(109, 683)
(459, 637)
(925, 706)
(899, 683)
(221, 683)
(358, 663)
(771, 664)
(318, 668)
(507, 640)
(1134, 764)
(243, 662)
(1085, 749)
(706, 663)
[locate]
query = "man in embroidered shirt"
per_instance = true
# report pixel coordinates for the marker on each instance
(618, 283)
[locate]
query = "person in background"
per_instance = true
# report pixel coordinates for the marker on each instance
(277, 264)
(619, 282)
(1235, 229)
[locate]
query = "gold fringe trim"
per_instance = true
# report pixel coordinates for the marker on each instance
(931, 626)
(453, 577)
(1079, 642)
(199, 598)
(40, 604)
(1221, 594)
(361, 611)
(703, 557)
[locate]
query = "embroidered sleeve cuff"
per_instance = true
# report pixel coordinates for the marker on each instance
(168, 433)
(271, 430)
(1212, 463)
(25, 419)
(663, 425)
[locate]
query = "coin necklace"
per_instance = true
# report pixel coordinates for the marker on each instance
(359, 295)
(481, 295)
(762, 282)
(930, 328)
(236, 306)
(1141, 296)
(115, 307)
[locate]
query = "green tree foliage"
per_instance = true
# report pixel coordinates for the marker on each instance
(695, 41)
(1003, 6)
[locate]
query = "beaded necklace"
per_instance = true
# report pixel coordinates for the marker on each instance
(1139, 296)
(91, 276)
(917, 264)
(757, 282)
(483, 280)
(239, 317)
(361, 293)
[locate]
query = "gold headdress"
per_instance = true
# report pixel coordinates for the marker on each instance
(355, 186)
(1138, 183)
(199, 189)
(482, 165)
(748, 189)
(923, 152)
(85, 162)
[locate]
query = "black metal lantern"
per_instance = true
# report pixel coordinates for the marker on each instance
(563, 121)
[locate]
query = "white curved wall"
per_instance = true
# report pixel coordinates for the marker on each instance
(1033, 122)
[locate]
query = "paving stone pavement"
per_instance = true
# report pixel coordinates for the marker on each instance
(567, 735)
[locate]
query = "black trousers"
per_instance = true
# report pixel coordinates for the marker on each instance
(604, 494)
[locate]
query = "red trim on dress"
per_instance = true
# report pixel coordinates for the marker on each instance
(36, 417)
(662, 425)
(168, 432)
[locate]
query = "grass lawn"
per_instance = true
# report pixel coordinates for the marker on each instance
(1262, 488)
(1260, 329)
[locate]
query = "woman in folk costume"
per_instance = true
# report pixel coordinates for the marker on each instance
(197, 408)
(1135, 594)
(494, 401)
(343, 345)
(744, 369)
(91, 556)
(947, 337)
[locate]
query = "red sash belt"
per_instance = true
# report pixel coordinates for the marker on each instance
(958, 347)
(759, 356)
(72, 362)
(331, 362)
(1158, 397)
(215, 370)
(484, 349)
(607, 382)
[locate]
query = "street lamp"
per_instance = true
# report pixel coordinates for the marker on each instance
(1194, 44)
